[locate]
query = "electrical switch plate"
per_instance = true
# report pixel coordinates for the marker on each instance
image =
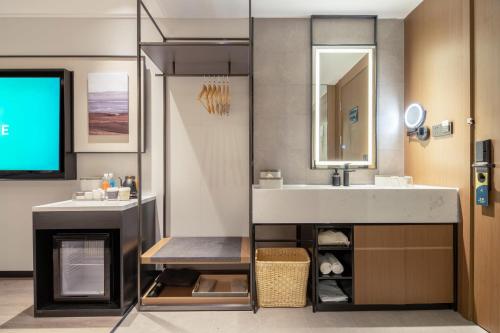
(443, 129)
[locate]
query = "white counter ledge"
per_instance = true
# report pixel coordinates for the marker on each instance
(355, 204)
(83, 205)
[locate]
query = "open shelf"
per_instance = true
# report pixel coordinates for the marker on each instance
(334, 277)
(182, 296)
(199, 251)
(200, 57)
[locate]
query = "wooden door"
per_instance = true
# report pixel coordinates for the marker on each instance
(487, 115)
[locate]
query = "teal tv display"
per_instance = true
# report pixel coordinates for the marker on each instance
(33, 108)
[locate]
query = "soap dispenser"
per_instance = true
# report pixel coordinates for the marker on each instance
(336, 178)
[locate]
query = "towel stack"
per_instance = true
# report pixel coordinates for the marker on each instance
(332, 237)
(328, 263)
(329, 291)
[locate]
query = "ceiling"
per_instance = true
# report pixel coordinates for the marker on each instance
(206, 8)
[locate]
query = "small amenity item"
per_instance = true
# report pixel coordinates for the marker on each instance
(124, 193)
(336, 178)
(330, 264)
(88, 195)
(281, 275)
(112, 193)
(270, 179)
(271, 173)
(332, 237)
(129, 181)
(105, 182)
(98, 194)
(329, 291)
(79, 196)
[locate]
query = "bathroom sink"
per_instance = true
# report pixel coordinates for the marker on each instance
(355, 204)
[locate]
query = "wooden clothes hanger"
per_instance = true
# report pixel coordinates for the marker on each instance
(202, 96)
(215, 95)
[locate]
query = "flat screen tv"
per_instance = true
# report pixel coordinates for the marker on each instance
(36, 113)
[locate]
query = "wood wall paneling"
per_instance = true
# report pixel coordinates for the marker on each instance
(437, 75)
(487, 116)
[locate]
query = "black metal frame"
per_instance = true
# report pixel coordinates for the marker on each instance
(374, 165)
(180, 41)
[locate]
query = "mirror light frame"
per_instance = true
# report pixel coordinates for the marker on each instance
(317, 50)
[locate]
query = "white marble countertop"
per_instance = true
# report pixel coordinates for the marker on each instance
(84, 205)
(355, 187)
(355, 204)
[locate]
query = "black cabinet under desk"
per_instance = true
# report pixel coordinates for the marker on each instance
(85, 257)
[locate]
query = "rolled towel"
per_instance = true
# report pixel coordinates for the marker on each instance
(332, 237)
(335, 264)
(324, 265)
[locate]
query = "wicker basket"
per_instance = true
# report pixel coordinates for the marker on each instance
(282, 276)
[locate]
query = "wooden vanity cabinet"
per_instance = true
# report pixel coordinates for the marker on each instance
(403, 264)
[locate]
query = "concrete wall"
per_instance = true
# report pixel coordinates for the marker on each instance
(282, 101)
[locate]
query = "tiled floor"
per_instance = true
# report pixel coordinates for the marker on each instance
(16, 315)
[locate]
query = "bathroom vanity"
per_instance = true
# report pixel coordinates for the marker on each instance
(402, 251)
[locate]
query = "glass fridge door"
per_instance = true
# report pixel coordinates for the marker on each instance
(82, 267)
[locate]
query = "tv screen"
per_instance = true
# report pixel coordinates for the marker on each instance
(32, 119)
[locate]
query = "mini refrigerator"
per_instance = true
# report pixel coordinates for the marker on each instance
(82, 267)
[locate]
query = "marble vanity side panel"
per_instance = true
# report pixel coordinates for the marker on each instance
(282, 121)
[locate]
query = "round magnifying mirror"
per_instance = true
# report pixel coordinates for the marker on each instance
(414, 116)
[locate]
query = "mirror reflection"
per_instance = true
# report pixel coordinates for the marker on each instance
(343, 106)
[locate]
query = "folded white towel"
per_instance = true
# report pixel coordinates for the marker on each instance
(329, 291)
(328, 263)
(332, 237)
(324, 265)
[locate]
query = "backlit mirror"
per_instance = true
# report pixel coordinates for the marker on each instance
(414, 116)
(343, 106)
